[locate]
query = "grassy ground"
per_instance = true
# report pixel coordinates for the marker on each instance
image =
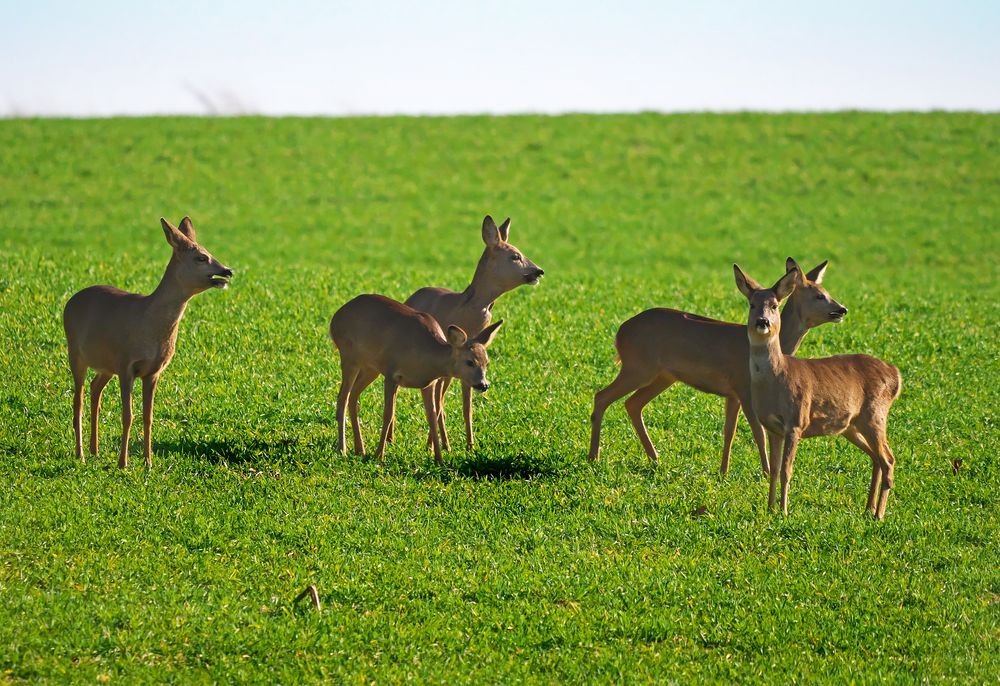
(519, 561)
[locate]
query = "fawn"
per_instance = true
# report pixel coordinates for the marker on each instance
(796, 398)
(133, 336)
(661, 346)
(376, 335)
(502, 268)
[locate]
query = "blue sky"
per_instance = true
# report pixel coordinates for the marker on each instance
(116, 57)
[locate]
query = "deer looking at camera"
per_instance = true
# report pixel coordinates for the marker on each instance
(502, 268)
(849, 395)
(376, 335)
(661, 346)
(133, 336)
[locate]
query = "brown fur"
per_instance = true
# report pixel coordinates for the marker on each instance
(848, 395)
(134, 336)
(497, 272)
(661, 346)
(376, 335)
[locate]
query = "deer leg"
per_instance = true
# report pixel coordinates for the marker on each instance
(875, 437)
(635, 405)
(467, 412)
(148, 392)
(729, 432)
(349, 373)
(79, 376)
(775, 443)
(787, 463)
(96, 389)
(430, 409)
(388, 411)
(365, 379)
(442, 387)
(626, 382)
(852, 435)
(757, 429)
(126, 380)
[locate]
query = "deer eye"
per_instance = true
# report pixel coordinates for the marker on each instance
(515, 258)
(820, 297)
(203, 258)
(470, 363)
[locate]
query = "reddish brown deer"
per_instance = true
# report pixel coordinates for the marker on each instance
(661, 346)
(848, 395)
(502, 268)
(133, 336)
(376, 335)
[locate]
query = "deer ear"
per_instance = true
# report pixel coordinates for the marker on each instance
(784, 286)
(187, 228)
(175, 238)
(505, 229)
(790, 264)
(456, 336)
(491, 234)
(487, 335)
(816, 275)
(746, 285)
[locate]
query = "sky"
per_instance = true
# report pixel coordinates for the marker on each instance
(138, 57)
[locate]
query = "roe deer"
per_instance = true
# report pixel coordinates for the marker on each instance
(796, 398)
(661, 346)
(502, 268)
(376, 335)
(133, 336)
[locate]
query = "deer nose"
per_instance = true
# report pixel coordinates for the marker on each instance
(842, 311)
(541, 272)
(762, 322)
(227, 272)
(482, 387)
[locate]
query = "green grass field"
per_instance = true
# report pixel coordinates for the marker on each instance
(519, 561)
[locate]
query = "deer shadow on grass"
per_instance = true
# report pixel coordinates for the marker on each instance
(477, 466)
(250, 450)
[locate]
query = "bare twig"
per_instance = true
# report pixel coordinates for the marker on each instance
(313, 595)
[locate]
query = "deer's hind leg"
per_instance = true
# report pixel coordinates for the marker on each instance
(79, 369)
(126, 380)
(96, 389)
(855, 437)
(349, 373)
(627, 381)
(365, 379)
(635, 405)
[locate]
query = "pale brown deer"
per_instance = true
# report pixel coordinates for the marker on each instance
(662, 346)
(376, 335)
(133, 336)
(847, 395)
(502, 268)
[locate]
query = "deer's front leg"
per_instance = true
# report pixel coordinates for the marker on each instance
(787, 462)
(388, 412)
(774, 442)
(126, 384)
(430, 409)
(148, 391)
(467, 411)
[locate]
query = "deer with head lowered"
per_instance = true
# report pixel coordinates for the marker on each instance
(376, 335)
(662, 346)
(502, 268)
(134, 336)
(847, 395)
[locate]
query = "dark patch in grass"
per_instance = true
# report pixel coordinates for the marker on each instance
(249, 451)
(495, 468)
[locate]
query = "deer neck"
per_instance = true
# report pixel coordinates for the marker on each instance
(482, 292)
(793, 328)
(166, 304)
(767, 360)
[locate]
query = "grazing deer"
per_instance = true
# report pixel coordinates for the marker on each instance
(133, 336)
(661, 346)
(376, 335)
(794, 398)
(502, 268)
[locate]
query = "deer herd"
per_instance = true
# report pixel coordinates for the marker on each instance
(438, 335)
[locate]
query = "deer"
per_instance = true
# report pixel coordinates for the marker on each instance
(662, 346)
(132, 336)
(847, 395)
(377, 335)
(501, 268)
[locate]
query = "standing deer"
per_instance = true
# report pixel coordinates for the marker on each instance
(661, 346)
(794, 398)
(376, 335)
(133, 336)
(502, 268)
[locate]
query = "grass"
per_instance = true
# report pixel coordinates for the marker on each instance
(519, 561)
